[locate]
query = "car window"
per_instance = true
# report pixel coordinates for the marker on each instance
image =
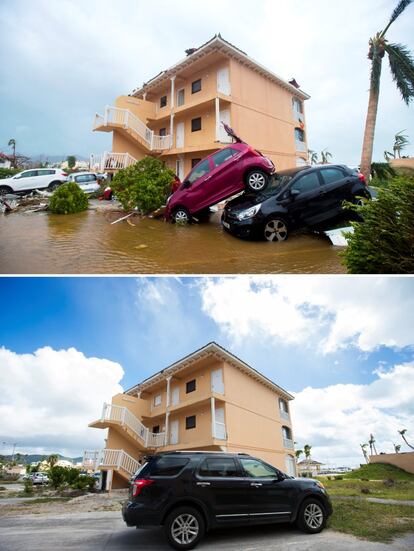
(307, 182)
(257, 469)
(224, 155)
(45, 172)
(330, 175)
(28, 174)
(85, 178)
(167, 466)
(218, 467)
(198, 171)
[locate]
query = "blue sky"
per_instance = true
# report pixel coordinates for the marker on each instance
(69, 344)
(66, 61)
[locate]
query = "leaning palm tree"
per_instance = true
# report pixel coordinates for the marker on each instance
(12, 143)
(402, 70)
(400, 143)
(402, 432)
(397, 448)
(307, 450)
(313, 157)
(298, 453)
(325, 156)
(364, 451)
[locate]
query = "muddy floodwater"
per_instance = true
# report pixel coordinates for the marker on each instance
(87, 243)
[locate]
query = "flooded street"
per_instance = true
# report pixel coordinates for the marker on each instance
(86, 243)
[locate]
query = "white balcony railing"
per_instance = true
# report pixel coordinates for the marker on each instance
(122, 415)
(300, 146)
(284, 415)
(116, 459)
(288, 443)
(110, 161)
(126, 119)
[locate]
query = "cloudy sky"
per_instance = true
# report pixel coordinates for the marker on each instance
(63, 61)
(343, 346)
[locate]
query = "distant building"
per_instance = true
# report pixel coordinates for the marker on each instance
(309, 466)
(5, 161)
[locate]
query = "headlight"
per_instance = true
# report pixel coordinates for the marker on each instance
(169, 199)
(249, 213)
(319, 484)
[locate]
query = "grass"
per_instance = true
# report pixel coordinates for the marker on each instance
(45, 500)
(380, 471)
(401, 489)
(372, 521)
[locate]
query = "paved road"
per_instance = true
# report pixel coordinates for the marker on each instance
(105, 531)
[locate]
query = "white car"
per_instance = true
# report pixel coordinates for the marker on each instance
(40, 478)
(36, 178)
(87, 181)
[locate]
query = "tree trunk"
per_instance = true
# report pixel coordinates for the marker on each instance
(371, 119)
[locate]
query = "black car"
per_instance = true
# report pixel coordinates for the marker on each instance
(192, 492)
(305, 197)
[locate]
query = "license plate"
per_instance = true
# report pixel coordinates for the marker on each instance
(226, 225)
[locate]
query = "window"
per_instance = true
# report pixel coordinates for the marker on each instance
(180, 97)
(299, 135)
(330, 175)
(194, 162)
(290, 465)
(85, 178)
(283, 405)
(190, 422)
(163, 101)
(156, 429)
(196, 124)
(196, 86)
(224, 155)
(219, 467)
(257, 469)
(157, 400)
(201, 170)
(163, 132)
(297, 105)
(28, 174)
(287, 433)
(167, 466)
(190, 386)
(307, 182)
(45, 172)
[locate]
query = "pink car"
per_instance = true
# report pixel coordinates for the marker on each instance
(222, 174)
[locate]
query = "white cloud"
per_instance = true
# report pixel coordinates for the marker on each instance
(49, 397)
(335, 420)
(327, 313)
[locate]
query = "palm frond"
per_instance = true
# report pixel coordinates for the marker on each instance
(401, 6)
(402, 69)
(376, 65)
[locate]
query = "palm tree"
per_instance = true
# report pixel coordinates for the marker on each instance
(12, 143)
(52, 460)
(371, 443)
(298, 453)
(307, 451)
(364, 451)
(402, 432)
(313, 157)
(400, 143)
(402, 70)
(388, 156)
(397, 448)
(325, 156)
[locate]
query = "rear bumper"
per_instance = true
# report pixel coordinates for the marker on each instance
(139, 514)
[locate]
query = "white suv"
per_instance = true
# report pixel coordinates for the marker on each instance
(36, 178)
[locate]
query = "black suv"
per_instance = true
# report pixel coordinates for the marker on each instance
(305, 197)
(192, 492)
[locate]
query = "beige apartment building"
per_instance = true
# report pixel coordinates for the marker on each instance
(209, 400)
(178, 114)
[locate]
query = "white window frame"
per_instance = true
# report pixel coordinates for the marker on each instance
(157, 400)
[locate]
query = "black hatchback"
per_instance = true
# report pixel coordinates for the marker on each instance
(192, 492)
(300, 198)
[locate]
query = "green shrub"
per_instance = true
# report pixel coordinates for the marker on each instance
(57, 476)
(144, 185)
(28, 487)
(85, 482)
(67, 199)
(7, 172)
(384, 242)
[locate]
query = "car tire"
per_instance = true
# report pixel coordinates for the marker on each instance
(311, 517)
(256, 180)
(181, 216)
(275, 229)
(4, 190)
(184, 527)
(53, 185)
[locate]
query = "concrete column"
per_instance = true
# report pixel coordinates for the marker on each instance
(168, 391)
(144, 96)
(217, 119)
(109, 476)
(213, 417)
(167, 428)
(172, 101)
(171, 128)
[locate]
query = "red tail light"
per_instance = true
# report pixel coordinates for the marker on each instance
(362, 178)
(64, 174)
(139, 484)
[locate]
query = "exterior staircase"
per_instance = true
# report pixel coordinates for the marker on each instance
(123, 120)
(110, 161)
(119, 460)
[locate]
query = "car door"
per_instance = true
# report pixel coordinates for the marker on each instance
(271, 494)
(335, 190)
(220, 485)
(24, 181)
(197, 186)
(226, 173)
(43, 178)
(303, 199)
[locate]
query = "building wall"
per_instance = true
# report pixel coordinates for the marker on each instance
(122, 144)
(138, 406)
(144, 110)
(403, 163)
(402, 460)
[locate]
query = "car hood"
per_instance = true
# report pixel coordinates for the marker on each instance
(246, 201)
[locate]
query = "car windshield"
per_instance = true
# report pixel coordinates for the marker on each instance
(277, 181)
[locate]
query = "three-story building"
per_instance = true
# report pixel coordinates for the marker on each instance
(209, 400)
(178, 114)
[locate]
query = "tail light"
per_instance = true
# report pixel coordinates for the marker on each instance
(64, 174)
(362, 178)
(140, 483)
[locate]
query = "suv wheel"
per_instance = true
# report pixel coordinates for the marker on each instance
(4, 190)
(184, 528)
(311, 517)
(256, 180)
(275, 230)
(181, 216)
(53, 185)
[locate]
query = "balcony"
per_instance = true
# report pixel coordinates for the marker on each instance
(121, 419)
(288, 443)
(284, 415)
(111, 459)
(109, 161)
(123, 119)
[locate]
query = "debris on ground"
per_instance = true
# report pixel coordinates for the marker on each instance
(337, 236)
(142, 246)
(33, 202)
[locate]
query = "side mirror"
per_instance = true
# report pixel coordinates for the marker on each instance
(294, 192)
(186, 184)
